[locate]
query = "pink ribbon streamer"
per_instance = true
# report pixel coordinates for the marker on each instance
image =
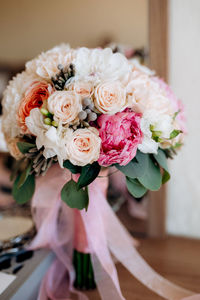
(102, 235)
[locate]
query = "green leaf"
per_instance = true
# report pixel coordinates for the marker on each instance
(26, 191)
(74, 169)
(136, 167)
(74, 197)
(24, 147)
(165, 177)
(152, 178)
(88, 174)
(134, 187)
(161, 159)
(176, 114)
(16, 168)
(174, 134)
(24, 175)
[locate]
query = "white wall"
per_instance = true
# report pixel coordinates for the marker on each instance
(29, 26)
(184, 76)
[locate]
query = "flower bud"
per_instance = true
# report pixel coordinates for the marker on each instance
(92, 117)
(47, 121)
(82, 115)
(86, 101)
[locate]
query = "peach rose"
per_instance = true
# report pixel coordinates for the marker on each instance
(34, 97)
(65, 106)
(84, 89)
(13, 148)
(110, 97)
(83, 147)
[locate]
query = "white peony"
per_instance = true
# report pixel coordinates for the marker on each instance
(3, 146)
(11, 100)
(100, 65)
(110, 97)
(83, 147)
(137, 65)
(46, 64)
(65, 106)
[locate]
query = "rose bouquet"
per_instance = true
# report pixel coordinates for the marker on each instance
(85, 110)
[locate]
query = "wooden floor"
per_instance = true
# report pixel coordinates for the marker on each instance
(177, 259)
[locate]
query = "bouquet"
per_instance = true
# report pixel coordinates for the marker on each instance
(86, 110)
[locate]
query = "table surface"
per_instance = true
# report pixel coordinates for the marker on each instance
(177, 259)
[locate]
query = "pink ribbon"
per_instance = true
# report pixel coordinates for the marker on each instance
(101, 235)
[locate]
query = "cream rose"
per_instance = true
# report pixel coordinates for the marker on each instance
(110, 97)
(65, 106)
(83, 147)
(84, 89)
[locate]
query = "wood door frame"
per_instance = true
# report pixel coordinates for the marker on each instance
(158, 61)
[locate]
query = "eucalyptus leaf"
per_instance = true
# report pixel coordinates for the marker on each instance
(152, 178)
(161, 159)
(73, 196)
(136, 167)
(88, 174)
(24, 175)
(24, 193)
(24, 147)
(74, 169)
(135, 188)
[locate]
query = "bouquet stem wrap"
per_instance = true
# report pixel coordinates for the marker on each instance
(98, 232)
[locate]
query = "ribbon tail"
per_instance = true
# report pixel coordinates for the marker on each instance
(104, 269)
(120, 244)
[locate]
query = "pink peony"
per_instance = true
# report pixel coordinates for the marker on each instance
(120, 135)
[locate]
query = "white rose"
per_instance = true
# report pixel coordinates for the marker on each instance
(65, 106)
(83, 147)
(110, 97)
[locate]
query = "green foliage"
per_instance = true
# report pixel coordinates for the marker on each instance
(161, 159)
(165, 177)
(152, 178)
(135, 188)
(24, 175)
(136, 167)
(174, 134)
(75, 197)
(24, 192)
(74, 169)
(24, 147)
(88, 174)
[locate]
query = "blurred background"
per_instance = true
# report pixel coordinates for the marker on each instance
(30, 27)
